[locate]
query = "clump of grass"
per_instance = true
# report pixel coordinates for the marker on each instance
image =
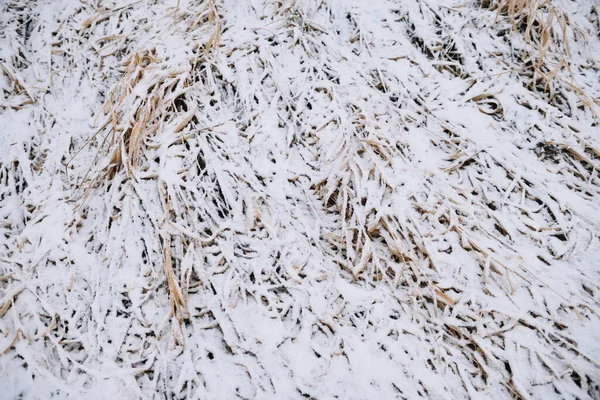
(546, 31)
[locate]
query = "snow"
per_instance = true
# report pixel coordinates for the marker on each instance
(299, 199)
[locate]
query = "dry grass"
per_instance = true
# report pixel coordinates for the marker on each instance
(232, 186)
(546, 31)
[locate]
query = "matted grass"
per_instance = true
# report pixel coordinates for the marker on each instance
(299, 199)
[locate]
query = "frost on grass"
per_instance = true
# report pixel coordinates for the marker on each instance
(299, 199)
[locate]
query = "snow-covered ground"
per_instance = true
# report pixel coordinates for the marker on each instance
(290, 199)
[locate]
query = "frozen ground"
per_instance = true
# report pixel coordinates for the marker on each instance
(299, 199)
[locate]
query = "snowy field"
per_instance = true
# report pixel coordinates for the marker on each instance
(289, 199)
